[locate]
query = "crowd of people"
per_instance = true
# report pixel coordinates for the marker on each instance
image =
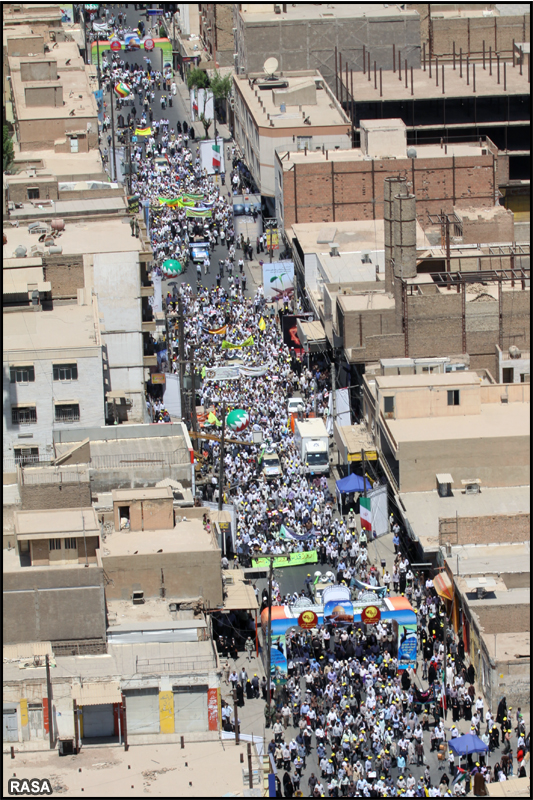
(365, 725)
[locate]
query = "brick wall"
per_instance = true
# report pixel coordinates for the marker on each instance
(497, 227)
(489, 529)
(52, 495)
(469, 34)
(342, 191)
(495, 619)
(65, 274)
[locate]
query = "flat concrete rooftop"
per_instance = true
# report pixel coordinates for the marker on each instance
(325, 113)
(188, 536)
(58, 520)
(352, 236)
(416, 381)
(158, 493)
(356, 154)
(66, 327)
(495, 420)
(508, 647)
(425, 88)
(62, 165)
(487, 559)
(423, 510)
(256, 12)
(80, 237)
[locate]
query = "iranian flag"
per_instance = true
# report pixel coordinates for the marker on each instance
(216, 156)
(365, 513)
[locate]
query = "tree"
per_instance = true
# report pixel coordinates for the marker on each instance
(221, 86)
(7, 149)
(198, 79)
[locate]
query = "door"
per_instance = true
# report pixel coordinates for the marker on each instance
(35, 720)
(73, 144)
(190, 709)
(142, 711)
(11, 732)
(98, 721)
(508, 375)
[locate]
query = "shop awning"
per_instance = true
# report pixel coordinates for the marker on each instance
(312, 335)
(443, 585)
(96, 694)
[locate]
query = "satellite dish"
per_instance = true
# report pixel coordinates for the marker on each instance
(270, 66)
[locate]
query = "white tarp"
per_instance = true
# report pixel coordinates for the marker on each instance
(201, 104)
(206, 155)
(233, 373)
(172, 396)
(342, 410)
(379, 505)
(158, 298)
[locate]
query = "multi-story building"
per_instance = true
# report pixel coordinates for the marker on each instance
(292, 109)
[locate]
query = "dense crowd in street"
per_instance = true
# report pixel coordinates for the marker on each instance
(365, 725)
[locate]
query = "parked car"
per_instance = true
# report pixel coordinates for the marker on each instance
(271, 466)
(295, 404)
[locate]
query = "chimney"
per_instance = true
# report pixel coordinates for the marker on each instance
(404, 233)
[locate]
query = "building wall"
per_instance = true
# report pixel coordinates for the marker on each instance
(495, 461)
(42, 134)
(498, 227)
(343, 191)
(186, 575)
(18, 192)
(147, 515)
(87, 391)
(470, 33)
(484, 529)
(53, 605)
(310, 44)
(65, 273)
(216, 29)
(54, 495)
(116, 282)
(432, 401)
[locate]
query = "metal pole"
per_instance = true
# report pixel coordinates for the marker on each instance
(474, 78)
(98, 72)
(443, 79)
(50, 709)
(468, 70)
(498, 63)
(399, 65)
(436, 71)
(368, 64)
(375, 76)
(112, 101)
(364, 59)
(269, 631)
(353, 109)
(124, 717)
(490, 60)
(337, 75)
(394, 57)
(181, 351)
(119, 725)
(364, 470)
(381, 82)
(483, 53)
(221, 465)
(454, 56)
(505, 76)
(75, 712)
(193, 393)
(460, 62)
(235, 715)
(340, 77)
(405, 70)
(412, 90)
(424, 55)
(250, 774)
(128, 156)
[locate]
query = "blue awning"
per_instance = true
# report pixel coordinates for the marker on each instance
(353, 483)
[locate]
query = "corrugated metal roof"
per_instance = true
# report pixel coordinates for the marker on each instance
(26, 650)
(96, 694)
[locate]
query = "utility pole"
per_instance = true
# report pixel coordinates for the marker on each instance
(126, 745)
(235, 715)
(50, 709)
(128, 159)
(75, 710)
(84, 18)
(114, 162)
(221, 465)
(364, 470)
(333, 396)
(181, 350)
(193, 394)
(269, 631)
(250, 773)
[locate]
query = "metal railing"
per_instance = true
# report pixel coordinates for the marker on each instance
(168, 665)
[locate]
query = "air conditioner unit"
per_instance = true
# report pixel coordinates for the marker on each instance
(334, 249)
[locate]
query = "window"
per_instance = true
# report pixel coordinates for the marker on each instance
(389, 405)
(524, 377)
(304, 142)
(22, 374)
(508, 375)
(26, 455)
(33, 193)
(68, 413)
(54, 544)
(71, 543)
(65, 372)
(24, 415)
(453, 397)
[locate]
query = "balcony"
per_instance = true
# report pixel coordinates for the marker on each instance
(148, 327)
(147, 291)
(150, 361)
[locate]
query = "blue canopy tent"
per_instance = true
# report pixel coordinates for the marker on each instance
(353, 483)
(467, 744)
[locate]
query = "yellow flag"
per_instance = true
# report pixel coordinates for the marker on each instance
(262, 324)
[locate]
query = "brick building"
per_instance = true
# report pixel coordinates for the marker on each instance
(216, 29)
(339, 185)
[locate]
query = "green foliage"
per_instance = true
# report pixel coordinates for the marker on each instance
(206, 123)
(7, 149)
(197, 79)
(221, 86)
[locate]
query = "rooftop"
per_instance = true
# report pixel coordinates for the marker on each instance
(415, 381)
(68, 208)
(366, 301)
(508, 647)
(160, 493)
(257, 12)
(426, 88)
(154, 614)
(12, 561)
(188, 536)
(323, 113)
(423, 510)
(490, 559)
(30, 12)
(495, 420)
(65, 328)
(78, 95)
(353, 236)
(239, 593)
(356, 154)
(58, 520)
(79, 238)
(62, 165)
